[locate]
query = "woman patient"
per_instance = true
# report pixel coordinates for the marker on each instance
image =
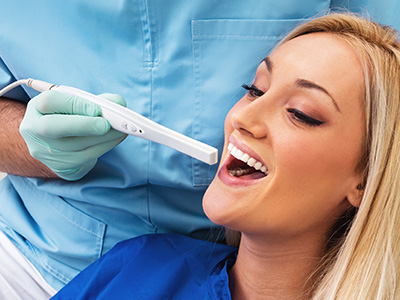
(309, 175)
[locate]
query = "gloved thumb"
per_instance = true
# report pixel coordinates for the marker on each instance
(114, 98)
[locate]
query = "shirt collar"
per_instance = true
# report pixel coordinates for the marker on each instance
(218, 280)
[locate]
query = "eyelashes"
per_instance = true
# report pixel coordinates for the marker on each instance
(302, 117)
(253, 90)
(297, 115)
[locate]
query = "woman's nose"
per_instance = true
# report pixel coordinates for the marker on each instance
(249, 119)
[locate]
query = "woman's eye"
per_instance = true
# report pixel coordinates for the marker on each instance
(302, 117)
(253, 91)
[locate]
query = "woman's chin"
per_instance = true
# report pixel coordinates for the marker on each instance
(217, 206)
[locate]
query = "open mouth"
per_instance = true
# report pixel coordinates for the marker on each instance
(245, 166)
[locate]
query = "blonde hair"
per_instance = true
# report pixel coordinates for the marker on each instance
(365, 261)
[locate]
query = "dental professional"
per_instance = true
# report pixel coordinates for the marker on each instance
(309, 176)
(76, 187)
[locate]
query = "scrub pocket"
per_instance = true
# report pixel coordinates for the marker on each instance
(68, 238)
(226, 54)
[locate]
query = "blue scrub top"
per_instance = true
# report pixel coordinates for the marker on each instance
(157, 266)
(180, 63)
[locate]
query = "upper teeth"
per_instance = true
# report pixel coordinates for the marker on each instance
(252, 162)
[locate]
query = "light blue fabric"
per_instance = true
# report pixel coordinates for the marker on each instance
(180, 63)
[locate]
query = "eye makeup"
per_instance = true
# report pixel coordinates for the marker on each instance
(253, 90)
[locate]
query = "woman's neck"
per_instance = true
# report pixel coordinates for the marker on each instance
(268, 270)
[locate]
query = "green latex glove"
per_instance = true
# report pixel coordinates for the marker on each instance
(67, 133)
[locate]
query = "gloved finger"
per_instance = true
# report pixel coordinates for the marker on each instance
(100, 149)
(53, 102)
(51, 127)
(61, 160)
(72, 144)
(114, 98)
(76, 174)
(59, 126)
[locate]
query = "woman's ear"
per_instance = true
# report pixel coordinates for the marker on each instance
(355, 195)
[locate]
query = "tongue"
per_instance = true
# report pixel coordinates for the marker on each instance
(247, 174)
(252, 176)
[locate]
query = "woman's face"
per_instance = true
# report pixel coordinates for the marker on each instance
(301, 125)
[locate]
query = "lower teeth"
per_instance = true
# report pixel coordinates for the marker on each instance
(238, 172)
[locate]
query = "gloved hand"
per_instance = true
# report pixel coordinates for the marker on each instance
(67, 134)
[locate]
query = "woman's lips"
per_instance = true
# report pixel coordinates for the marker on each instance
(249, 162)
(242, 166)
(245, 149)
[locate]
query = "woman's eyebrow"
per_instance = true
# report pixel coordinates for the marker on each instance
(312, 85)
(303, 83)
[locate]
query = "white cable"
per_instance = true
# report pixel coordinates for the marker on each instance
(12, 86)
